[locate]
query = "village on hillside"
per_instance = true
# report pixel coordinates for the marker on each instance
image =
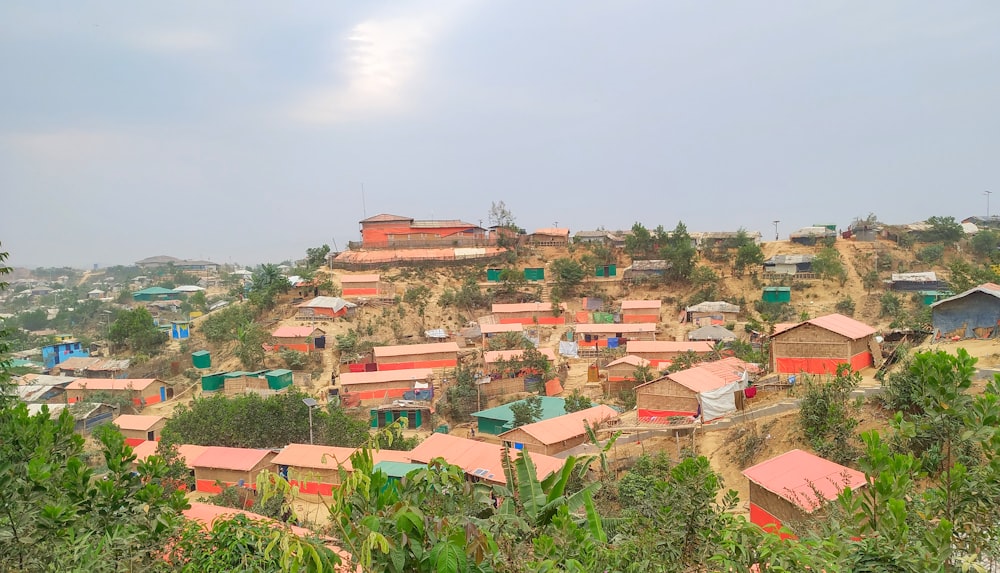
(477, 345)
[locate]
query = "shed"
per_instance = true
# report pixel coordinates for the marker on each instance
(416, 413)
(712, 332)
(705, 392)
(405, 357)
(141, 391)
(641, 311)
(534, 274)
(647, 268)
(974, 313)
(397, 470)
(911, 282)
(360, 285)
(86, 415)
(326, 307)
(794, 486)
(550, 237)
(622, 369)
(500, 419)
(481, 461)
(664, 351)
(278, 379)
(229, 467)
(530, 313)
(201, 359)
(492, 357)
(312, 469)
(712, 312)
(606, 271)
(789, 264)
(138, 428)
(180, 329)
(558, 434)
(213, 382)
(613, 335)
(379, 385)
(300, 338)
(493, 275)
(818, 345)
(490, 330)
(777, 294)
(155, 293)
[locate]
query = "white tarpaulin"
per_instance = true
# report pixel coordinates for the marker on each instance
(569, 349)
(719, 402)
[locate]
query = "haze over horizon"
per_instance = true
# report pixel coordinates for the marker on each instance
(243, 133)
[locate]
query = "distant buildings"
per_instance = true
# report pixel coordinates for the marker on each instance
(54, 354)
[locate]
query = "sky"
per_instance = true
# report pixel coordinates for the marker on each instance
(247, 132)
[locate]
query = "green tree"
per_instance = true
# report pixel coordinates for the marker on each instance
(134, 329)
(944, 230)
(250, 339)
(639, 243)
(931, 254)
(985, 243)
(890, 305)
(576, 401)
(568, 275)
(827, 417)
(526, 411)
(316, 256)
(199, 301)
(418, 296)
(680, 252)
(829, 266)
(33, 319)
(504, 224)
(266, 284)
(294, 360)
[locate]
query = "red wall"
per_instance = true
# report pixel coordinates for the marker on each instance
(450, 363)
(380, 234)
(377, 394)
(133, 442)
(632, 318)
(313, 487)
(359, 291)
(301, 347)
(645, 414)
(769, 523)
(821, 365)
(541, 320)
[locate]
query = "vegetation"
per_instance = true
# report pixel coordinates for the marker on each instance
(134, 329)
(943, 230)
(461, 398)
(316, 256)
(526, 411)
(294, 359)
(845, 306)
(829, 265)
(826, 413)
(568, 275)
(576, 401)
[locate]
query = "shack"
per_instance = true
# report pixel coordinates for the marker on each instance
(613, 335)
(704, 392)
(488, 331)
(138, 428)
(665, 351)
(417, 414)
(314, 470)
(712, 312)
(974, 313)
(712, 333)
(300, 338)
(481, 461)
(558, 434)
(407, 357)
(818, 345)
(140, 391)
(641, 311)
(325, 307)
(360, 285)
(500, 419)
(382, 384)
(218, 467)
(530, 313)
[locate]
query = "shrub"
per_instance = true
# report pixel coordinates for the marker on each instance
(845, 306)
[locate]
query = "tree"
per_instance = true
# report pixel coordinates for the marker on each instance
(199, 301)
(134, 329)
(316, 256)
(576, 402)
(679, 251)
(418, 296)
(944, 230)
(568, 275)
(33, 319)
(526, 411)
(985, 243)
(748, 252)
(828, 265)
(250, 339)
(826, 415)
(266, 284)
(639, 243)
(870, 280)
(931, 254)
(505, 226)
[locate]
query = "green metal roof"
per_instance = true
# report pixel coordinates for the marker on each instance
(155, 290)
(551, 407)
(777, 289)
(397, 469)
(277, 372)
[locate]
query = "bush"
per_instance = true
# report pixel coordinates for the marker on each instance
(294, 359)
(890, 304)
(826, 415)
(931, 254)
(845, 306)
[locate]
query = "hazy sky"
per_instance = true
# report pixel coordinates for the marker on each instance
(243, 131)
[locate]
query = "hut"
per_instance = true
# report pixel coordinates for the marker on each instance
(201, 359)
(86, 415)
(500, 419)
(154, 294)
(180, 329)
(558, 434)
(379, 385)
(396, 471)
(818, 345)
(360, 285)
(219, 467)
(324, 307)
(613, 335)
(530, 313)
(776, 294)
(300, 338)
(793, 487)
(552, 237)
(314, 470)
(658, 352)
(788, 265)
(911, 282)
(974, 313)
(712, 312)
(712, 333)
(620, 374)
(491, 358)
(488, 331)
(646, 269)
(481, 461)
(141, 391)
(417, 414)
(641, 311)
(407, 357)
(704, 392)
(138, 428)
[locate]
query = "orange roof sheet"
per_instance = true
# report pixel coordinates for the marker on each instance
(525, 307)
(407, 375)
(709, 376)
(295, 331)
(700, 346)
(553, 232)
(350, 279)
(111, 384)
(190, 452)
(494, 356)
(315, 457)
(630, 360)
(637, 304)
(144, 450)
(137, 422)
(838, 323)
(798, 476)
(478, 459)
(495, 328)
(625, 328)
(553, 387)
(237, 459)
(555, 430)
(408, 349)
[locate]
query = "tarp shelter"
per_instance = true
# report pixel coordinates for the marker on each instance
(712, 332)
(974, 313)
(557, 434)
(384, 384)
(481, 461)
(818, 345)
(326, 307)
(500, 419)
(706, 391)
(788, 488)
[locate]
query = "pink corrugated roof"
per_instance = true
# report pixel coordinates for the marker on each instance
(495, 328)
(407, 349)
(493, 356)
(144, 450)
(709, 376)
(350, 279)
(783, 326)
(667, 346)
(555, 430)
(316, 457)
(238, 459)
(77, 363)
(799, 476)
(525, 307)
(295, 331)
(137, 422)
(553, 232)
(637, 304)
(630, 360)
(471, 455)
(137, 384)
(418, 374)
(840, 324)
(190, 452)
(386, 218)
(626, 328)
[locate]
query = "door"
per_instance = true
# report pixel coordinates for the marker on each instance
(163, 393)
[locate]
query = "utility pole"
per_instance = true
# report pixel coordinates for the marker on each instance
(776, 229)
(987, 193)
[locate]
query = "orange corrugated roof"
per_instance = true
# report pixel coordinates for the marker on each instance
(553, 387)
(637, 304)
(144, 450)
(237, 459)
(709, 376)
(479, 459)
(137, 422)
(493, 356)
(111, 384)
(630, 360)
(190, 452)
(495, 328)
(316, 457)
(409, 374)
(295, 331)
(525, 307)
(625, 328)
(838, 323)
(568, 426)
(553, 232)
(386, 218)
(667, 346)
(359, 278)
(405, 350)
(798, 477)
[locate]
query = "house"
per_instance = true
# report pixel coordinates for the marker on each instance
(360, 285)
(713, 239)
(43, 391)
(665, 351)
(180, 329)
(793, 487)
(613, 335)
(713, 333)
(385, 231)
(86, 415)
(591, 237)
(138, 428)
(325, 307)
(789, 265)
(141, 391)
(704, 392)
(911, 282)
(712, 312)
(262, 382)
(416, 413)
(406, 357)
(300, 338)
(385, 383)
(491, 358)
(155, 293)
(488, 331)
(218, 467)
(558, 434)
(396, 471)
(814, 234)
(54, 354)
(818, 345)
(106, 368)
(500, 419)
(646, 269)
(974, 313)
(865, 230)
(481, 461)
(312, 469)
(620, 374)
(530, 313)
(641, 311)
(552, 237)
(95, 294)
(142, 450)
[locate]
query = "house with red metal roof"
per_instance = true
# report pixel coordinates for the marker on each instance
(818, 345)
(138, 428)
(409, 356)
(704, 392)
(315, 470)
(141, 391)
(793, 487)
(383, 384)
(530, 313)
(488, 331)
(641, 311)
(360, 285)
(481, 461)
(218, 467)
(325, 307)
(620, 374)
(300, 338)
(558, 434)
(665, 351)
(385, 231)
